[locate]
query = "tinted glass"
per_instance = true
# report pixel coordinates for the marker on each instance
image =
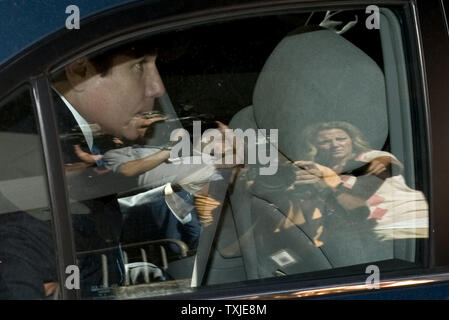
(243, 150)
(27, 259)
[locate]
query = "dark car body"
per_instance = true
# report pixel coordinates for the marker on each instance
(29, 58)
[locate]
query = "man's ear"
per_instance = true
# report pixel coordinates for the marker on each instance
(78, 72)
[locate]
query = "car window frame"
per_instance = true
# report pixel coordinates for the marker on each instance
(193, 22)
(59, 200)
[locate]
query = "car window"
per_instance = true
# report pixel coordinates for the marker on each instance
(277, 147)
(27, 258)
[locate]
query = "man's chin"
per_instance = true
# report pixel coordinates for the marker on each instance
(130, 135)
(337, 157)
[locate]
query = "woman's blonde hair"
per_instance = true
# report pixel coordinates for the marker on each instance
(310, 133)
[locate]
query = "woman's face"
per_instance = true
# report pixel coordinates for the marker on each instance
(335, 145)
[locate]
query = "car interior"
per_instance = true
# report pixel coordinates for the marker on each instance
(269, 72)
(260, 233)
(297, 86)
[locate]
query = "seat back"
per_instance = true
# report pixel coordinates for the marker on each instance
(310, 77)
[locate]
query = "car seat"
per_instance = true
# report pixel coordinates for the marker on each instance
(309, 77)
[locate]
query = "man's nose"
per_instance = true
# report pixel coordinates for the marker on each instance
(334, 143)
(154, 87)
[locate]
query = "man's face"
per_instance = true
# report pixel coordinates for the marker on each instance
(334, 144)
(116, 101)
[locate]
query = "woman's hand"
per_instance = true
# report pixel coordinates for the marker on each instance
(379, 165)
(321, 177)
(307, 173)
(205, 205)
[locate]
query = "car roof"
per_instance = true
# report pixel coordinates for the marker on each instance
(25, 22)
(34, 39)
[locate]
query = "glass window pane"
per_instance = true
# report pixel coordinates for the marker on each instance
(308, 173)
(27, 258)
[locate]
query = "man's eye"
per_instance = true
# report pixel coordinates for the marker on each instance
(323, 143)
(138, 66)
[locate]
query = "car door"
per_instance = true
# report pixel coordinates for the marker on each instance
(273, 73)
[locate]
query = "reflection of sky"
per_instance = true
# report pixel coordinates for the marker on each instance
(23, 22)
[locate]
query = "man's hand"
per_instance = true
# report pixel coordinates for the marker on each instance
(144, 124)
(50, 288)
(86, 157)
(150, 121)
(231, 147)
(87, 160)
(205, 206)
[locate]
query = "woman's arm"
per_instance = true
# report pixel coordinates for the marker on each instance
(326, 182)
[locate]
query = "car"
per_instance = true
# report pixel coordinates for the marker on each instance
(338, 111)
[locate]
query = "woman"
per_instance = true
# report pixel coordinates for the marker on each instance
(341, 164)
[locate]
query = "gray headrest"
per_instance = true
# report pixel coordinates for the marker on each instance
(315, 77)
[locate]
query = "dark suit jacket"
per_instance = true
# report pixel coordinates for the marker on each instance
(96, 216)
(26, 243)
(94, 186)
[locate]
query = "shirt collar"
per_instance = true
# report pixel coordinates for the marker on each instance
(82, 123)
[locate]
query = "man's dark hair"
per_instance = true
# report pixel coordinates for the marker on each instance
(103, 61)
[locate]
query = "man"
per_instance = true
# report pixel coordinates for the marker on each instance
(114, 90)
(94, 98)
(111, 94)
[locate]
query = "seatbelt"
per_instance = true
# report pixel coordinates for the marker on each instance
(217, 191)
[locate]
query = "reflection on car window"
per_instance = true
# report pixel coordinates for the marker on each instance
(28, 263)
(194, 159)
(133, 197)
